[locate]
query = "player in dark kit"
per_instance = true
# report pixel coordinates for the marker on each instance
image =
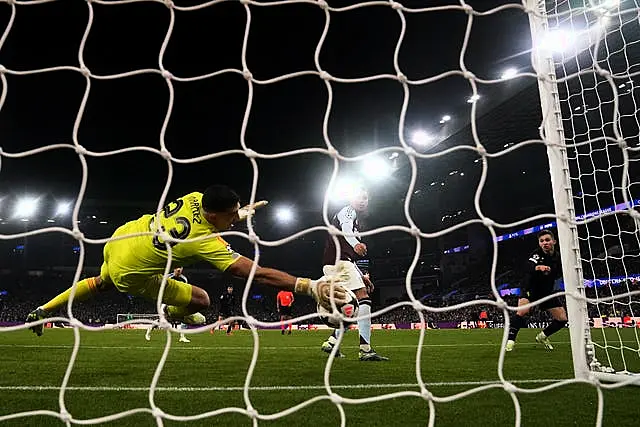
(352, 249)
(543, 268)
(227, 301)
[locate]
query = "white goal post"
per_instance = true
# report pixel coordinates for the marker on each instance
(580, 54)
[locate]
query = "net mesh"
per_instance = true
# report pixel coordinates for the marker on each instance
(598, 89)
(606, 114)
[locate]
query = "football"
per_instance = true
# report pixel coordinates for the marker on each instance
(349, 310)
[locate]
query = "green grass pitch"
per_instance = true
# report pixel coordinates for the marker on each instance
(114, 370)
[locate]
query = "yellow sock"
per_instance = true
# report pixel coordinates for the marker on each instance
(84, 290)
(177, 313)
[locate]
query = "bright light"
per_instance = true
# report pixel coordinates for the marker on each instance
(26, 207)
(422, 138)
(446, 118)
(376, 168)
(473, 98)
(284, 214)
(343, 190)
(509, 73)
(609, 4)
(63, 208)
(558, 41)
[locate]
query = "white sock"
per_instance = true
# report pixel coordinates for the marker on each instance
(364, 326)
(181, 327)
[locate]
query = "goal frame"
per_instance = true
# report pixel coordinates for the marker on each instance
(148, 318)
(585, 365)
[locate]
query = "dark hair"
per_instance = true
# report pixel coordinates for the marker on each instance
(219, 198)
(545, 233)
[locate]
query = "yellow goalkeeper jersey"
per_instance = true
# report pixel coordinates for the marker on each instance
(181, 219)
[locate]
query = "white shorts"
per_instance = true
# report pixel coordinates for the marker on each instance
(355, 275)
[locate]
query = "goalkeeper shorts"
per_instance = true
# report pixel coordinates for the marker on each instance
(127, 274)
(355, 281)
(148, 285)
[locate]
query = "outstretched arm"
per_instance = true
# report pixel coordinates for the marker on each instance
(319, 289)
(267, 276)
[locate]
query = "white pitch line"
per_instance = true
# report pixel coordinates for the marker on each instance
(273, 388)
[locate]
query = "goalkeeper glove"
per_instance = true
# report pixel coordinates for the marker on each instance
(320, 290)
(247, 210)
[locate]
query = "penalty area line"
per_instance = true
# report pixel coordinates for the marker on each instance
(273, 388)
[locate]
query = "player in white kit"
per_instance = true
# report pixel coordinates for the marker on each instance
(351, 249)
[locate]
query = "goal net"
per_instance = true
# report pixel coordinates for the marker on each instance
(592, 51)
(136, 320)
(586, 59)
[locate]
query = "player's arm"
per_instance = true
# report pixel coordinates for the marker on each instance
(220, 254)
(532, 264)
(346, 217)
(319, 289)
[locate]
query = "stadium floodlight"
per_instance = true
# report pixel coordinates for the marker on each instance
(608, 5)
(284, 214)
(343, 190)
(509, 73)
(63, 208)
(445, 118)
(473, 98)
(422, 138)
(376, 168)
(25, 208)
(558, 41)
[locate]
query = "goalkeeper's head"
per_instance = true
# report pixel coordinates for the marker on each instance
(220, 205)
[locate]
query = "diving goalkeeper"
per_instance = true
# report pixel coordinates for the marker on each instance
(135, 265)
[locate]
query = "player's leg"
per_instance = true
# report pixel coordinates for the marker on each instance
(366, 353)
(183, 336)
(356, 284)
(518, 321)
(332, 341)
(559, 315)
(282, 318)
(182, 300)
(147, 335)
(289, 317)
(85, 289)
(220, 319)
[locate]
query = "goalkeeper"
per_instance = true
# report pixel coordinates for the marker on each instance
(543, 269)
(135, 265)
